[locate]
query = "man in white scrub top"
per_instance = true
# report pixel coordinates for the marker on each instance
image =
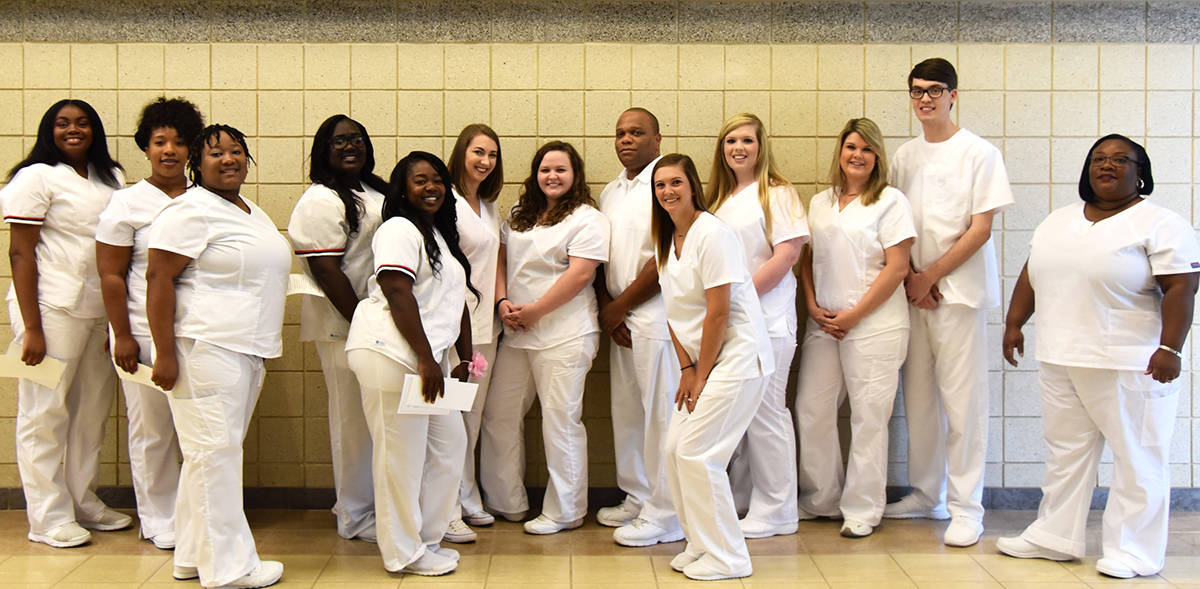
(955, 181)
(643, 366)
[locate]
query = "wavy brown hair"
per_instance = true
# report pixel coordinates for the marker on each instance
(489, 189)
(532, 202)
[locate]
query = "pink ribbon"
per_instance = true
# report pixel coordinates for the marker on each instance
(478, 366)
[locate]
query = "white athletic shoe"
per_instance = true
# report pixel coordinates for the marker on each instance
(752, 528)
(855, 529)
(962, 531)
(481, 518)
(618, 515)
(910, 507)
(184, 573)
(1111, 567)
(460, 533)
(1018, 547)
(703, 570)
(542, 525)
(64, 536)
(431, 564)
(683, 559)
(642, 532)
(266, 574)
(107, 521)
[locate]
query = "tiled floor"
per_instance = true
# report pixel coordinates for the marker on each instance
(900, 554)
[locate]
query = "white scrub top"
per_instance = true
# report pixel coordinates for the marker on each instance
(479, 238)
(536, 259)
(399, 247)
(848, 255)
(946, 183)
(231, 294)
(743, 212)
(628, 204)
(318, 228)
(1097, 302)
(67, 206)
(711, 256)
(125, 223)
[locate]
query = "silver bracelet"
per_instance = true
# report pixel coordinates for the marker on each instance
(1167, 348)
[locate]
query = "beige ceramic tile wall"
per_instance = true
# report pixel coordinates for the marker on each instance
(1042, 104)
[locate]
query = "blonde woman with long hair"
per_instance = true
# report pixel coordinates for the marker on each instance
(751, 196)
(857, 337)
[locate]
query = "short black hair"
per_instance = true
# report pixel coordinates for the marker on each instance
(176, 113)
(44, 150)
(208, 136)
(935, 69)
(653, 119)
(1145, 174)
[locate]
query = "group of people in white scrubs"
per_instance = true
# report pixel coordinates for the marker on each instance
(694, 286)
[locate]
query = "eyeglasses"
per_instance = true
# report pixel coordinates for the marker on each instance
(1117, 160)
(932, 91)
(341, 141)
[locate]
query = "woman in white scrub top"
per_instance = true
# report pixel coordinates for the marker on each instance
(1113, 279)
(164, 132)
(551, 245)
(331, 230)
(752, 197)
(52, 203)
(216, 279)
(857, 337)
(725, 359)
(415, 311)
(477, 175)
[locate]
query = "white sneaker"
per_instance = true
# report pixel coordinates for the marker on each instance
(910, 507)
(683, 559)
(164, 541)
(855, 529)
(962, 531)
(703, 570)
(443, 551)
(460, 533)
(107, 521)
(431, 564)
(1111, 567)
(542, 525)
(1018, 547)
(184, 573)
(752, 528)
(618, 515)
(267, 573)
(481, 518)
(64, 536)
(645, 533)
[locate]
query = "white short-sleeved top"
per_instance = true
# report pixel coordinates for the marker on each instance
(1097, 302)
(711, 257)
(231, 294)
(126, 223)
(318, 227)
(537, 258)
(628, 202)
(946, 183)
(479, 238)
(399, 247)
(743, 212)
(848, 255)
(67, 206)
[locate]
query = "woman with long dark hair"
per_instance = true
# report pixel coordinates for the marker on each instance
(331, 230)
(52, 204)
(415, 310)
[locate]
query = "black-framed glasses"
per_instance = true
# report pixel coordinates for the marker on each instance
(1117, 160)
(932, 91)
(341, 141)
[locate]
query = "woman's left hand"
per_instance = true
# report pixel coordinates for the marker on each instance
(526, 316)
(697, 388)
(840, 322)
(461, 372)
(1164, 366)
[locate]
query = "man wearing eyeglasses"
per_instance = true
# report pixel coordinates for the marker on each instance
(956, 181)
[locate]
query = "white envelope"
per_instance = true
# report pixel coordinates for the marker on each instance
(459, 397)
(48, 373)
(302, 284)
(142, 376)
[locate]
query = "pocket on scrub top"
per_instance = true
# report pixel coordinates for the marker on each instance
(1155, 401)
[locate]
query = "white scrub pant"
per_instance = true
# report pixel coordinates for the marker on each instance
(59, 430)
(349, 443)
(469, 500)
(867, 370)
(416, 462)
(557, 377)
(946, 405)
(698, 447)
(644, 381)
(153, 451)
(212, 402)
(1081, 409)
(764, 470)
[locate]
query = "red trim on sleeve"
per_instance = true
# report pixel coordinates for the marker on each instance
(320, 251)
(17, 218)
(399, 267)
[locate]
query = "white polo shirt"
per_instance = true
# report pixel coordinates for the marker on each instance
(1098, 303)
(479, 238)
(399, 247)
(848, 255)
(744, 214)
(711, 256)
(231, 294)
(628, 202)
(125, 223)
(537, 258)
(946, 183)
(318, 228)
(67, 206)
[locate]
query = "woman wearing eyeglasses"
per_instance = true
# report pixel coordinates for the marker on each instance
(1113, 279)
(331, 229)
